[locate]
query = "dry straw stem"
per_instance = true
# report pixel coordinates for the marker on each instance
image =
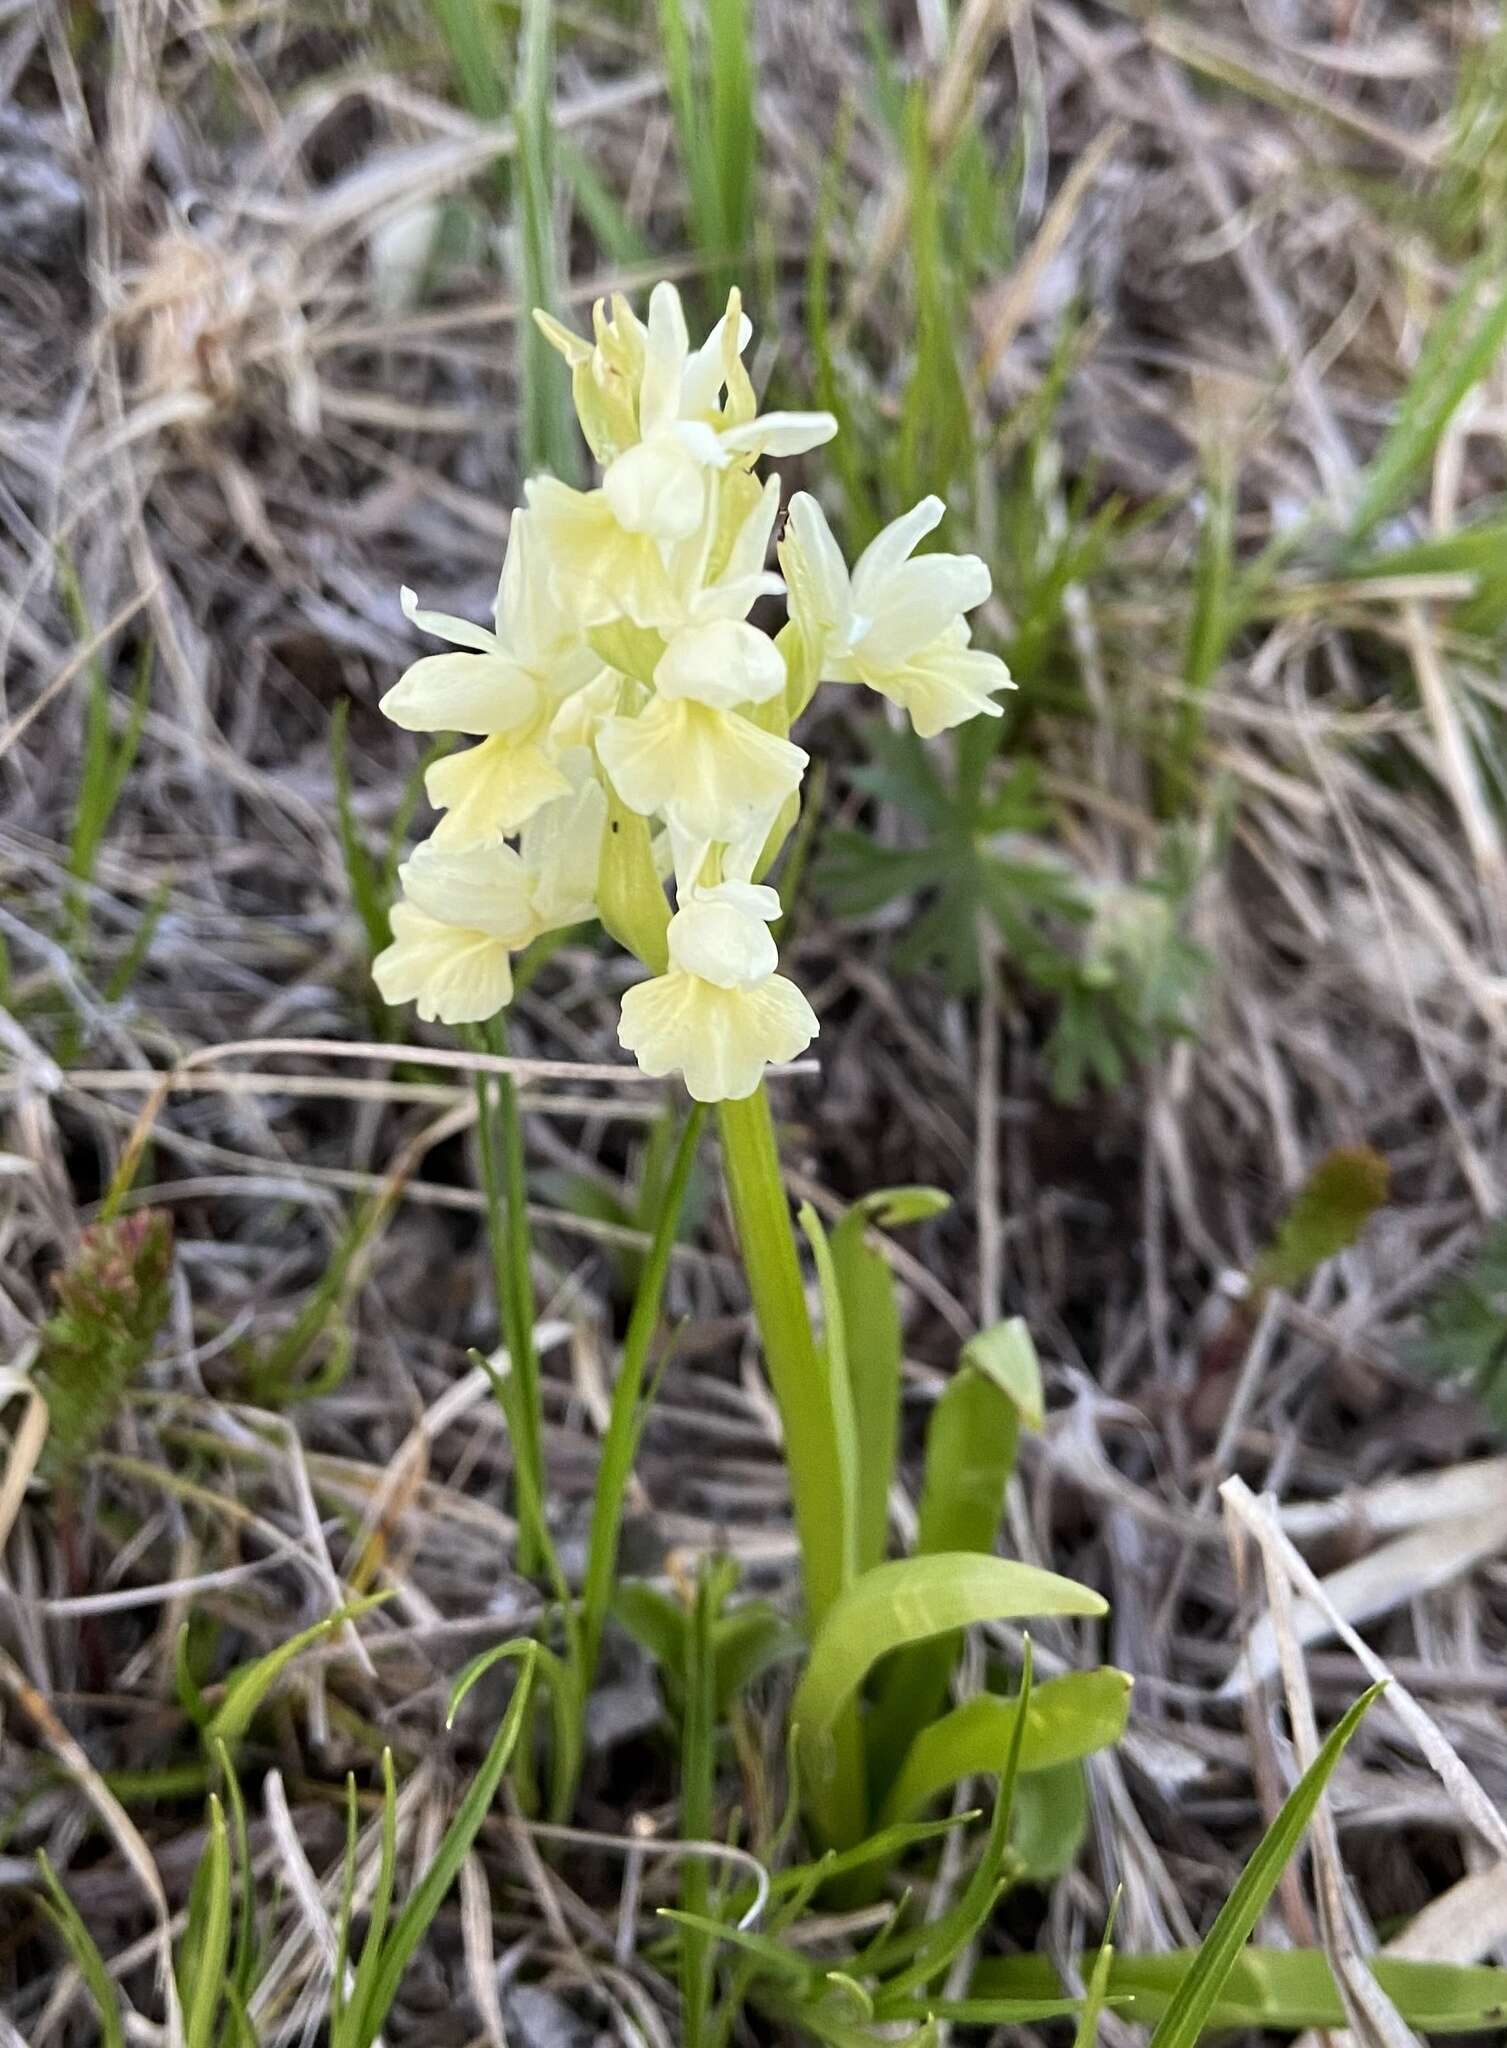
(1357, 992)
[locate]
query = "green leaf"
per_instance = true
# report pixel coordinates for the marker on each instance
(206, 1941)
(970, 1454)
(745, 1642)
(1465, 1326)
(886, 1846)
(1199, 1989)
(943, 1939)
(1006, 1354)
(84, 1951)
(1051, 1820)
(1068, 1718)
(428, 1896)
(907, 1601)
(871, 1316)
(817, 1461)
(246, 1689)
(1285, 1990)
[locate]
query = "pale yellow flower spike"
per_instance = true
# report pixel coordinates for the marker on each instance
(631, 719)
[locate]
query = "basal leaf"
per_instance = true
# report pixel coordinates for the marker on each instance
(897, 1604)
(1068, 1718)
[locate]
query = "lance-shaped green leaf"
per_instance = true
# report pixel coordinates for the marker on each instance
(1284, 1990)
(970, 1454)
(1197, 1994)
(871, 1315)
(246, 1689)
(1067, 1719)
(908, 1601)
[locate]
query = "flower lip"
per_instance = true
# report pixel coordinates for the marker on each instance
(724, 663)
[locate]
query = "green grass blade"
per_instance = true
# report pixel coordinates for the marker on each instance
(1087, 2035)
(597, 204)
(247, 1688)
(339, 2004)
(548, 423)
(625, 1420)
(698, 1770)
(370, 1965)
(131, 961)
(425, 1901)
(1198, 1991)
(566, 1719)
(244, 1965)
(947, 1936)
(207, 1939)
(735, 137)
(1458, 354)
(1068, 1718)
(84, 1952)
(500, 1140)
(711, 80)
(471, 32)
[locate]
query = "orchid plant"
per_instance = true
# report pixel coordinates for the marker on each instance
(633, 733)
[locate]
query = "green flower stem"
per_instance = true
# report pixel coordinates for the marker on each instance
(626, 1419)
(813, 1458)
(819, 1479)
(500, 1133)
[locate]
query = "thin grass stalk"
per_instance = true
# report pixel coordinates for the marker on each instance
(697, 1796)
(548, 427)
(500, 1136)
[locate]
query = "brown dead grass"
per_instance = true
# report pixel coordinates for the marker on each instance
(245, 434)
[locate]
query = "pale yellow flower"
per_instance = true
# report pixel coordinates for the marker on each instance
(897, 622)
(605, 374)
(467, 909)
(720, 1014)
(689, 756)
(604, 573)
(454, 976)
(623, 681)
(695, 418)
(509, 686)
(488, 791)
(534, 655)
(693, 758)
